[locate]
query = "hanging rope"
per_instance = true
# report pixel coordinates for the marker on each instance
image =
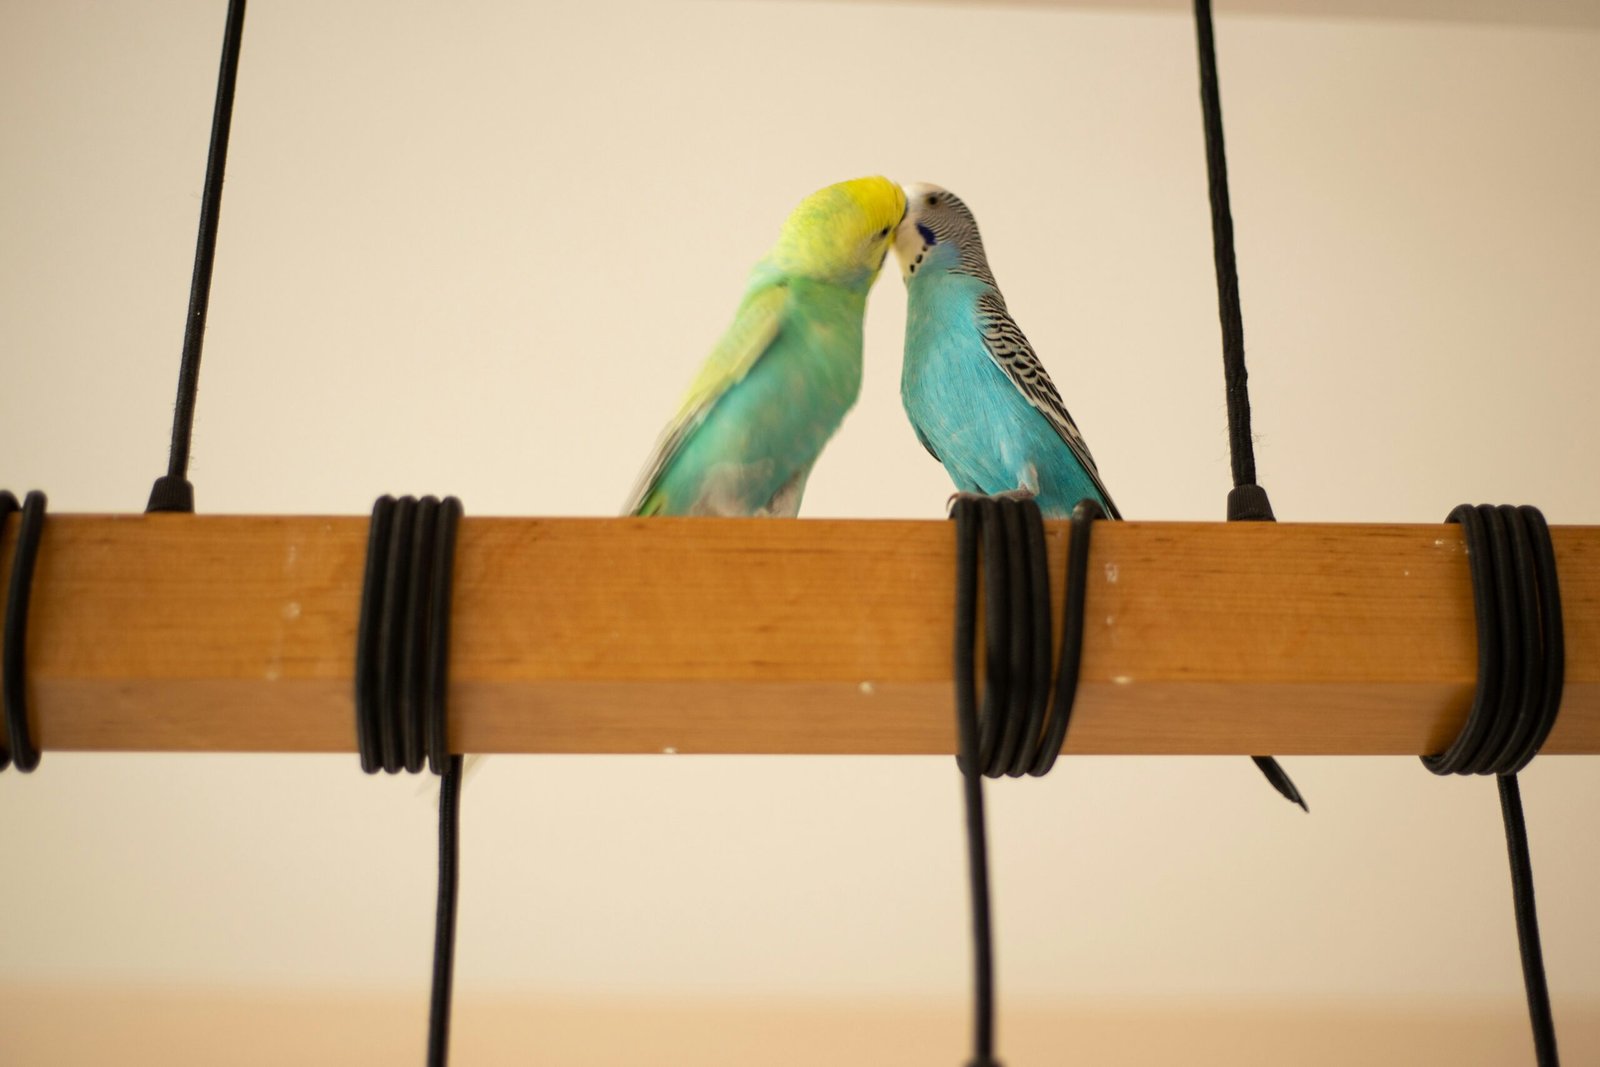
(1518, 693)
(401, 683)
(1240, 446)
(1247, 501)
(1017, 729)
(172, 491)
(967, 520)
(444, 922)
(403, 640)
(1534, 985)
(1516, 602)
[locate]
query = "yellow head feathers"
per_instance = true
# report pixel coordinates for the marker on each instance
(841, 234)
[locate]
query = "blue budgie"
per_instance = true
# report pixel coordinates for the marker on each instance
(976, 394)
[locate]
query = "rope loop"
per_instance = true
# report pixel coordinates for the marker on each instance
(403, 635)
(1516, 600)
(19, 749)
(1019, 729)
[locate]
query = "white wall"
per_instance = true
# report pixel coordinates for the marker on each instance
(480, 251)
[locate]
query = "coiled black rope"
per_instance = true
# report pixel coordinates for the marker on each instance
(19, 748)
(402, 664)
(1083, 518)
(1247, 501)
(172, 491)
(1017, 729)
(1516, 601)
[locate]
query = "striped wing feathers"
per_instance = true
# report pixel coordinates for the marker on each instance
(1013, 354)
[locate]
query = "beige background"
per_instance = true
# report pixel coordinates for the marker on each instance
(480, 249)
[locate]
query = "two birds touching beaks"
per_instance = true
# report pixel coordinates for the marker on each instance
(786, 372)
(783, 376)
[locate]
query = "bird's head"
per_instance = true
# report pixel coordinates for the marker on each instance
(841, 234)
(938, 234)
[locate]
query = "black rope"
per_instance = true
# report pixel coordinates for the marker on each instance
(1017, 728)
(8, 507)
(1527, 915)
(1515, 593)
(1516, 602)
(444, 920)
(367, 707)
(1247, 501)
(1083, 518)
(414, 663)
(967, 519)
(19, 747)
(172, 491)
(401, 682)
(1240, 447)
(391, 621)
(436, 682)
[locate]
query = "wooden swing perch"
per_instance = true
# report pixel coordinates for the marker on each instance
(221, 633)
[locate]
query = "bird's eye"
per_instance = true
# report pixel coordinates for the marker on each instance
(933, 199)
(884, 232)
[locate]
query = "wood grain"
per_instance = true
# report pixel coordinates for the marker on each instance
(230, 633)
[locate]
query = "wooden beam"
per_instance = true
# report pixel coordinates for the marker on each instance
(219, 633)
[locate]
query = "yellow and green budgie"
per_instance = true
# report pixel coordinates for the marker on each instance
(783, 376)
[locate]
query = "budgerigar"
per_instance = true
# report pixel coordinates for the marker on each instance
(780, 381)
(976, 393)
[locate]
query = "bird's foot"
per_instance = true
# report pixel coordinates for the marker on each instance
(950, 503)
(1010, 494)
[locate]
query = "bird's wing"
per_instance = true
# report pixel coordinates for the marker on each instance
(754, 329)
(1013, 354)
